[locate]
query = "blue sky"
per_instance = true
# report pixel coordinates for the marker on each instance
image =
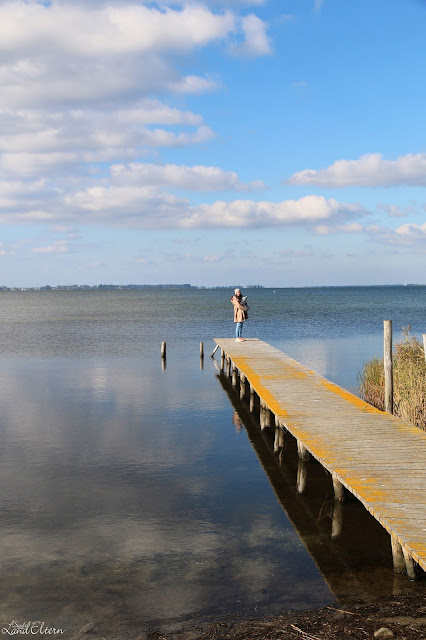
(273, 142)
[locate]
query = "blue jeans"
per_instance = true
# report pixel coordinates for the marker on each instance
(239, 329)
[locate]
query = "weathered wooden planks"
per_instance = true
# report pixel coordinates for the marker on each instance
(377, 457)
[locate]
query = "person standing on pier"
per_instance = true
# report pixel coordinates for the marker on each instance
(240, 314)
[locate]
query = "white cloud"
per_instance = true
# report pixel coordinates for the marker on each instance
(61, 246)
(370, 170)
(198, 178)
(248, 213)
(256, 41)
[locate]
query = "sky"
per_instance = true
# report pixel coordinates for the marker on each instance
(221, 142)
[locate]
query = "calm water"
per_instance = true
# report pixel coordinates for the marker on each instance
(136, 494)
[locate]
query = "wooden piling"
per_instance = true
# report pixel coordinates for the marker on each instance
(163, 349)
(387, 359)
(339, 489)
(201, 350)
(409, 564)
(397, 556)
(234, 375)
(302, 451)
(242, 386)
(214, 350)
(222, 359)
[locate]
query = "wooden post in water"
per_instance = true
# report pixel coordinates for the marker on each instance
(222, 359)
(339, 489)
(163, 349)
(214, 350)
(409, 564)
(397, 556)
(242, 386)
(251, 399)
(234, 375)
(201, 350)
(387, 360)
(302, 451)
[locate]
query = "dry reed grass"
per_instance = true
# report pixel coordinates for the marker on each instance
(409, 382)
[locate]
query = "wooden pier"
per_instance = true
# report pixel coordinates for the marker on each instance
(378, 458)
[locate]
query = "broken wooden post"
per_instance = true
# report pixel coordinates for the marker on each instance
(214, 350)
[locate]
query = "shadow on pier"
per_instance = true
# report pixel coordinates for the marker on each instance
(351, 549)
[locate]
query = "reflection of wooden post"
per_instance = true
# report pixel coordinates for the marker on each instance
(302, 451)
(397, 555)
(337, 520)
(302, 476)
(339, 489)
(387, 325)
(163, 349)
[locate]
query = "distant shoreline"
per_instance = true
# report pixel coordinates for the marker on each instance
(121, 287)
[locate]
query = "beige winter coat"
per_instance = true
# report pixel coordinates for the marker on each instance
(240, 313)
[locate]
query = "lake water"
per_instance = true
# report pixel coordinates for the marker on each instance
(137, 494)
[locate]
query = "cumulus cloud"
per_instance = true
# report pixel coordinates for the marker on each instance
(255, 41)
(370, 170)
(198, 178)
(249, 213)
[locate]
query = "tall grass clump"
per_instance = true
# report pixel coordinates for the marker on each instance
(409, 381)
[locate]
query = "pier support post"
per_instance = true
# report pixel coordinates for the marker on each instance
(251, 399)
(242, 386)
(409, 564)
(302, 476)
(228, 366)
(397, 556)
(261, 414)
(234, 375)
(339, 489)
(387, 360)
(302, 451)
(222, 359)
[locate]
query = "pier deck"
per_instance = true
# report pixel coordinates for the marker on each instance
(379, 458)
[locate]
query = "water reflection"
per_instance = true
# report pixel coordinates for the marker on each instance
(128, 496)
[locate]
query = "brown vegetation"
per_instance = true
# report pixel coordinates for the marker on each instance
(409, 367)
